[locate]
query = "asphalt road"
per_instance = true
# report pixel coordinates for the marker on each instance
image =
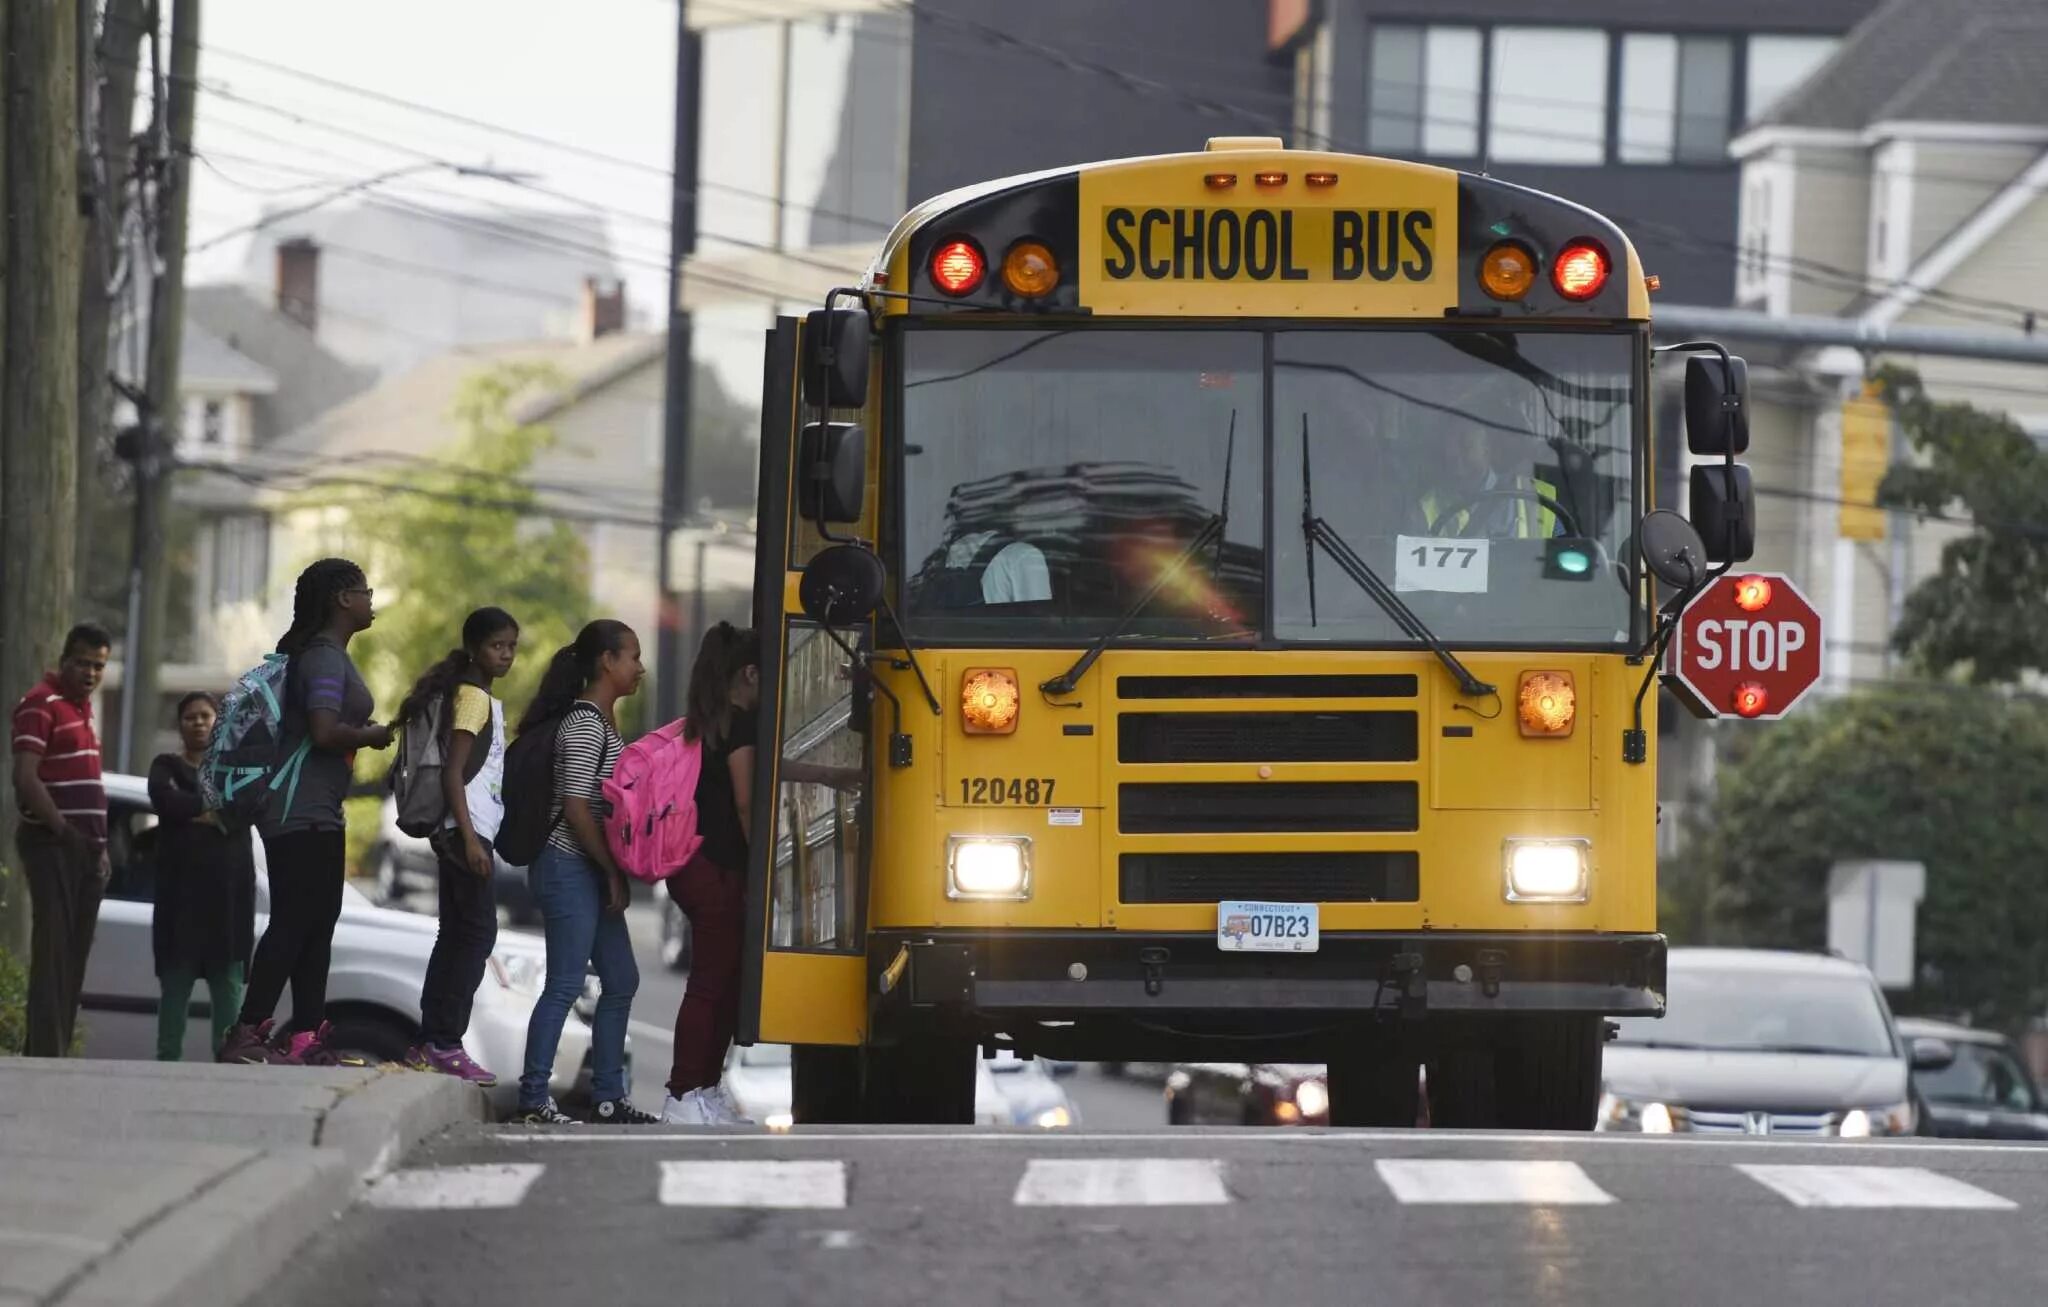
(502, 1216)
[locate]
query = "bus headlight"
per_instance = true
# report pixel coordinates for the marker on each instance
(988, 866)
(1547, 871)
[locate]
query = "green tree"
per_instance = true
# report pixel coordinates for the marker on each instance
(1953, 777)
(466, 532)
(1985, 612)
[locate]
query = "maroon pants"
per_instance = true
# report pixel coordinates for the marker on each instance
(713, 899)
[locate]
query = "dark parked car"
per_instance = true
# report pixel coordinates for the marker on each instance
(1985, 1093)
(1239, 1093)
(408, 875)
(1766, 1043)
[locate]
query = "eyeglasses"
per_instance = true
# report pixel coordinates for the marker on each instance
(363, 590)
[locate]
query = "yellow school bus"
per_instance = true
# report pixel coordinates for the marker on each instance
(1231, 576)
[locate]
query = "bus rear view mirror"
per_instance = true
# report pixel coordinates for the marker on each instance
(1672, 550)
(834, 363)
(1716, 414)
(832, 472)
(841, 585)
(1723, 511)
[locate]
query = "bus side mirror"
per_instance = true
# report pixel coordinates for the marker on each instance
(834, 362)
(841, 586)
(1712, 428)
(832, 461)
(1672, 550)
(1723, 510)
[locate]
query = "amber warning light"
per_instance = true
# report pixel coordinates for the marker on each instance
(1547, 704)
(989, 700)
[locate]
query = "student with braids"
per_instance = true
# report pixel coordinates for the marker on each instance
(326, 704)
(581, 891)
(472, 784)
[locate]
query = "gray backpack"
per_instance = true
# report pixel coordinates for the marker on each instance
(416, 770)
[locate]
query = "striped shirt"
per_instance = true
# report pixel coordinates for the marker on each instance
(587, 748)
(59, 731)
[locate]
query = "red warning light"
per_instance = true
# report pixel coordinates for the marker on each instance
(1580, 270)
(1751, 699)
(1752, 593)
(957, 267)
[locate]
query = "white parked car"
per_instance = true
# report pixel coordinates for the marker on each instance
(373, 981)
(758, 1078)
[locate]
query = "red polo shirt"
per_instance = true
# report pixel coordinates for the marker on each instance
(59, 731)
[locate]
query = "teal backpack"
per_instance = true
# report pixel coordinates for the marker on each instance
(245, 761)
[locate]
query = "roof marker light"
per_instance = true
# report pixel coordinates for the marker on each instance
(1580, 270)
(957, 266)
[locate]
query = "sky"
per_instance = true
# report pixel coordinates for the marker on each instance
(598, 75)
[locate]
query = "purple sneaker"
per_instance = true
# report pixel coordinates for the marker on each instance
(449, 1062)
(251, 1045)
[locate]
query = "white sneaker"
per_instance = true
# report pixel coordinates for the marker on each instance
(718, 1100)
(688, 1110)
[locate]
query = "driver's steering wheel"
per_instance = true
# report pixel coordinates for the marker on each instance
(1564, 515)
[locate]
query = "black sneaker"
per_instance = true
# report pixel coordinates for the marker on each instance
(546, 1114)
(620, 1111)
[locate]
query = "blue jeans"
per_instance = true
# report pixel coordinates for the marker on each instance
(570, 891)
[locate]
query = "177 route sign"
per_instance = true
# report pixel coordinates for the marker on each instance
(1746, 646)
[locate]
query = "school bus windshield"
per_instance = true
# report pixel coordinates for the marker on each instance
(1488, 477)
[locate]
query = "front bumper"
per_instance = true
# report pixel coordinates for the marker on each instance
(1054, 975)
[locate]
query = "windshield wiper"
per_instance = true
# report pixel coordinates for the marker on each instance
(1065, 682)
(1315, 531)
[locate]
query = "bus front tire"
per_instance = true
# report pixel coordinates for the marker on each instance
(1374, 1086)
(921, 1080)
(824, 1082)
(1528, 1073)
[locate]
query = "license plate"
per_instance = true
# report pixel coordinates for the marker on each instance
(1248, 926)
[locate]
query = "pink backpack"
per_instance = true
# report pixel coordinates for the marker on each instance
(653, 792)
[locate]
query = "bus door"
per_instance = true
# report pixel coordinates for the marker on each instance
(803, 975)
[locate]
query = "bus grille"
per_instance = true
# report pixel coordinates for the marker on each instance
(1266, 737)
(1334, 806)
(1288, 877)
(1382, 686)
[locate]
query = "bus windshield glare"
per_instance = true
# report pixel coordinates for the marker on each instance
(1487, 476)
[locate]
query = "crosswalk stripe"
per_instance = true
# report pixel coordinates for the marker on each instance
(1122, 1182)
(1447, 1180)
(455, 1187)
(1873, 1186)
(753, 1184)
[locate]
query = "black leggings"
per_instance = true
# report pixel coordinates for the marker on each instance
(305, 871)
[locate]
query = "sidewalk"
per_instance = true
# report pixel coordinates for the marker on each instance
(183, 1183)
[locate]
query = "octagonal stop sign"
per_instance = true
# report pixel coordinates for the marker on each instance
(1746, 646)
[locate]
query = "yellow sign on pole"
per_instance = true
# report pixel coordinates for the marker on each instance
(1866, 453)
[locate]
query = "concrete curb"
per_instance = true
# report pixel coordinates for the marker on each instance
(226, 1243)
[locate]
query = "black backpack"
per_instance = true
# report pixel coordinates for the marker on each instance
(530, 791)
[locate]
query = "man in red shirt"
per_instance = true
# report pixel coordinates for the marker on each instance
(63, 834)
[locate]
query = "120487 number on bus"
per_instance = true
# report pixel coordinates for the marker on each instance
(1021, 791)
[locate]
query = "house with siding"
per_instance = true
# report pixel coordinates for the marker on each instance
(1904, 183)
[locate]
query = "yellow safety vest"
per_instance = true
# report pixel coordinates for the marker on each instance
(1533, 521)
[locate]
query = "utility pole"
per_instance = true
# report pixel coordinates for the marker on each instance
(670, 656)
(41, 243)
(159, 417)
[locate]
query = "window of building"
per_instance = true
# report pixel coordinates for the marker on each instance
(241, 558)
(1753, 257)
(808, 144)
(1777, 64)
(1425, 91)
(1547, 95)
(211, 422)
(1676, 97)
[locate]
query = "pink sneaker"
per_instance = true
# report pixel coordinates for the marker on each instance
(449, 1062)
(310, 1048)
